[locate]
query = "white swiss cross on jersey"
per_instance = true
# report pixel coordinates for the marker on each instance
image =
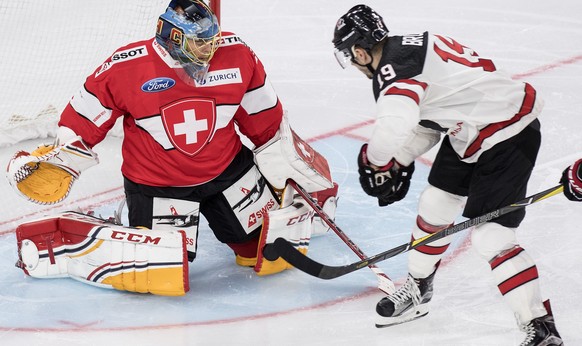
(189, 123)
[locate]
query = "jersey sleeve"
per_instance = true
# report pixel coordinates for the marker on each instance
(92, 110)
(398, 114)
(399, 90)
(260, 112)
(419, 142)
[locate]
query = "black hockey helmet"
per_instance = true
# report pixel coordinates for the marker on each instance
(360, 26)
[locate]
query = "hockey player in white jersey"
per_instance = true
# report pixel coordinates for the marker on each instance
(428, 86)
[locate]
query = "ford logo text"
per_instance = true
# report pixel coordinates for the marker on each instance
(158, 84)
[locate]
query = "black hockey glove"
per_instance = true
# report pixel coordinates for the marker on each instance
(401, 185)
(386, 183)
(572, 181)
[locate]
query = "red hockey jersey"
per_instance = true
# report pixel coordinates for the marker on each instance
(176, 132)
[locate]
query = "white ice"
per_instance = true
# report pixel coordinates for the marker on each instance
(537, 41)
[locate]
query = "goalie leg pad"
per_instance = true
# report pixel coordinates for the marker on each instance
(102, 254)
(292, 223)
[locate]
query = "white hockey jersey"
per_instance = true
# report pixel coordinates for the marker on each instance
(427, 85)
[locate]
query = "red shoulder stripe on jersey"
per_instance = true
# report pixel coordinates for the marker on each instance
(517, 280)
(423, 85)
(394, 90)
(403, 92)
(488, 131)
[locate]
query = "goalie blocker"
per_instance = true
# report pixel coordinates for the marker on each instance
(287, 156)
(99, 253)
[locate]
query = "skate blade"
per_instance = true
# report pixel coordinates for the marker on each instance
(418, 312)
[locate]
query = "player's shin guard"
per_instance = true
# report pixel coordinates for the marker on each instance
(514, 271)
(424, 260)
(516, 276)
(411, 300)
(436, 210)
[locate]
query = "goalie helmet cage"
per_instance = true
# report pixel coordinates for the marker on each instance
(51, 46)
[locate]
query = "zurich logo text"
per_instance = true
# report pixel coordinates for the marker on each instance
(158, 84)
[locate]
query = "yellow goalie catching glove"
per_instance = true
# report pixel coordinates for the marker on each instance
(46, 175)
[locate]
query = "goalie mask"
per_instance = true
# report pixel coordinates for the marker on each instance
(360, 26)
(190, 32)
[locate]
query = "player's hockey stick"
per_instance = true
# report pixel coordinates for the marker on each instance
(384, 283)
(322, 271)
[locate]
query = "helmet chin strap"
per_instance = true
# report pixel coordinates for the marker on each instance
(369, 65)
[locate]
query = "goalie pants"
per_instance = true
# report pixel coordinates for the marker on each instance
(213, 204)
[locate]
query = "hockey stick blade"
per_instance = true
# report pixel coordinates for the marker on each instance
(385, 284)
(326, 272)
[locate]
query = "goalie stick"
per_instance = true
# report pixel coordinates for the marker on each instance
(322, 271)
(384, 283)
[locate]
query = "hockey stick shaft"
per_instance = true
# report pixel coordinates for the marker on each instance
(309, 266)
(384, 283)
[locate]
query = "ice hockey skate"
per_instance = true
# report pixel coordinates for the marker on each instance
(542, 331)
(408, 303)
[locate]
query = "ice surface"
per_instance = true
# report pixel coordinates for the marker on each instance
(533, 40)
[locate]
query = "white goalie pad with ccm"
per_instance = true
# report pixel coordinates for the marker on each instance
(292, 222)
(103, 254)
(287, 156)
